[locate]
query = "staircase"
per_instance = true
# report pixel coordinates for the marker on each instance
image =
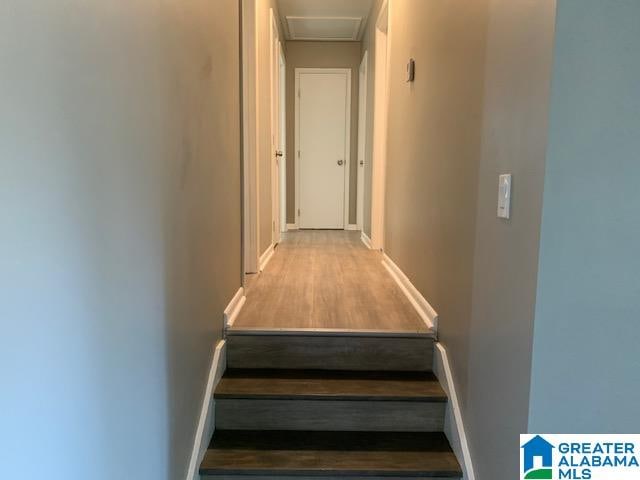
(328, 405)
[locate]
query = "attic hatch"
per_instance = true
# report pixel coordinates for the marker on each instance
(324, 28)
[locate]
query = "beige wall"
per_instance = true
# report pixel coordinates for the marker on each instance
(263, 148)
(518, 67)
(120, 242)
(322, 55)
(435, 131)
(477, 108)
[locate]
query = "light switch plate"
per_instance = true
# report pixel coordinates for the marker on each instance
(504, 196)
(411, 70)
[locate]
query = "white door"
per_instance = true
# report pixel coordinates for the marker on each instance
(323, 122)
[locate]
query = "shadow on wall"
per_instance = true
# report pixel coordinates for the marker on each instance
(202, 246)
(120, 206)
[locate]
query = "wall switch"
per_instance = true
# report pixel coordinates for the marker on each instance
(411, 70)
(504, 196)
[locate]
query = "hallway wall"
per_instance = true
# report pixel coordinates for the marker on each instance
(477, 108)
(586, 367)
(120, 244)
(434, 145)
(518, 64)
(322, 55)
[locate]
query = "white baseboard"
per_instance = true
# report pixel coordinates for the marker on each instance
(291, 226)
(427, 313)
(366, 240)
(234, 307)
(266, 256)
(453, 424)
(206, 422)
(352, 227)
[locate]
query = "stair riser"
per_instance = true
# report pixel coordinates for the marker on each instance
(330, 352)
(333, 415)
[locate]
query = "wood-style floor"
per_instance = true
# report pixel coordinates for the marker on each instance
(325, 279)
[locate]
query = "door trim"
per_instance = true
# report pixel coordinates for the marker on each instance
(380, 125)
(250, 197)
(283, 140)
(347, 170)
(274, 141)
(362, 131)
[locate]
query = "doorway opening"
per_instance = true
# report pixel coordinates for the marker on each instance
(314, 122)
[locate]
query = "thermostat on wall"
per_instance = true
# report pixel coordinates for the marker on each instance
(411, 70)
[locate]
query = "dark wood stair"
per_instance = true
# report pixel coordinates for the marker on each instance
(327, 406)
(277, 454)
(329, 385)
(329, 400)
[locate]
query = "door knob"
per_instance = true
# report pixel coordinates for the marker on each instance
(340, 162)
(361, 162)
(279, 153)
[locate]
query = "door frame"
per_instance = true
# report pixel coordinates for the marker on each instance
(283, 140)
(275, 49)
(380, 124)
(363, 75)
(347, 160)
(250, 131)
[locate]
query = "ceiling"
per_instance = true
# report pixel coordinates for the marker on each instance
(324, 20)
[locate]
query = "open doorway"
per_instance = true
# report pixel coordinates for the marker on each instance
(315, 131)
(307, 143)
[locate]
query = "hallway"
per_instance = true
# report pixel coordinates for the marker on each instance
(318, 239)
(327, 279)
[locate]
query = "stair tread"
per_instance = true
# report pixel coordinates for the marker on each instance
(330, 453)
(333, 385)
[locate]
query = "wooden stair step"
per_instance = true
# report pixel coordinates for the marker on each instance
(277, 454)
(329, 400)
(329, 385)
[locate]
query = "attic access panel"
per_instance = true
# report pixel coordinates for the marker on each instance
(324, 28)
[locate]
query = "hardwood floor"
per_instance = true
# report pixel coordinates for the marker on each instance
(325, 279)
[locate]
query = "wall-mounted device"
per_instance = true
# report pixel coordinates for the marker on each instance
(411, 70)
(504, 196)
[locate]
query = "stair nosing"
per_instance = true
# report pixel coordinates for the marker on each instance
(328, 332)
(333, 473)
(328, 397)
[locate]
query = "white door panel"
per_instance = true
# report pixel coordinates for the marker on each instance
(323, 147)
